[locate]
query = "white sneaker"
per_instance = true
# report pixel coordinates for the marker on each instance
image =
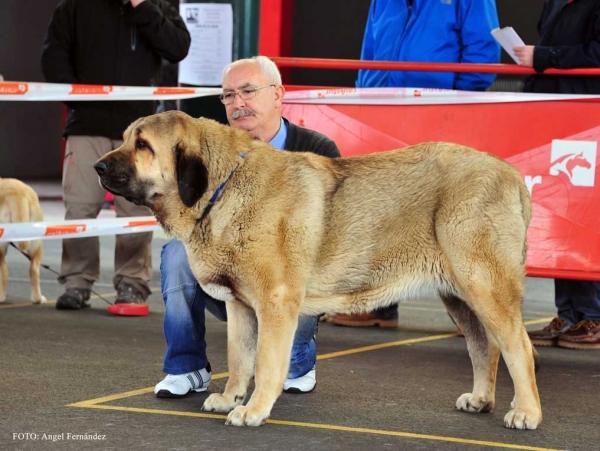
(179, 385)
(302, 384)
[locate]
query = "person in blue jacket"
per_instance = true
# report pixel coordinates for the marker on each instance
(434, 31)
(440, 31)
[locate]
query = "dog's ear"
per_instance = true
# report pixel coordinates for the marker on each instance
(192, 176)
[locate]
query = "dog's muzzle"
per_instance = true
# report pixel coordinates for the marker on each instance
(101, 167)
(117, 184)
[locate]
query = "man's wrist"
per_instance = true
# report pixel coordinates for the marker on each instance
(135, 3)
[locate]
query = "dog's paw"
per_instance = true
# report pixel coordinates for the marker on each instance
(245, 416)
(41, 300)
(221, 403)
(521, 419)
(474, 404)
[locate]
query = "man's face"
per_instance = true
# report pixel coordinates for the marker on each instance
(259, 115)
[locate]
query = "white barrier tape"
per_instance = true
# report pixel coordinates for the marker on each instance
(76, 228)
(23, 91)
(417, 96)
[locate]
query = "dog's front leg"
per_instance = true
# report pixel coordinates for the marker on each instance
(277, 323)
(241, 355)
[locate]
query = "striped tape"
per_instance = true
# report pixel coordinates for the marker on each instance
(418, 96)
(23, 91)
(77, 228)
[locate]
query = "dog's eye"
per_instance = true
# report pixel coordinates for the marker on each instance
(139, 144)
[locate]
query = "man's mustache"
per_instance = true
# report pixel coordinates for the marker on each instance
(241, 113)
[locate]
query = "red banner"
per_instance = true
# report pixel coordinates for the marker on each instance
(554, 145)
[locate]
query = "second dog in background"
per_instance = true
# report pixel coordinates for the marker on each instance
(20, 203)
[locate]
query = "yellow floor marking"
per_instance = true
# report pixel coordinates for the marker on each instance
(19, 304)
(538, 321)
(98, 403)
(331, 427)
(129, 394)
(534, 312)
(385, 345)
(142, 391)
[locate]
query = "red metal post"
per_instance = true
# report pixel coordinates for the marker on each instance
(275, 30)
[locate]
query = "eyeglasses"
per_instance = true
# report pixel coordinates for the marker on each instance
(245, 94)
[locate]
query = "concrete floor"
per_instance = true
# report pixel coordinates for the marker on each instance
(89, 372)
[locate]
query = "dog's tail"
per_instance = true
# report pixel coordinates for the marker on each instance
(537, 361)
(527, 212)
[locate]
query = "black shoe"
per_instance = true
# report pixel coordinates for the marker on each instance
(126, 294)
(73, 299)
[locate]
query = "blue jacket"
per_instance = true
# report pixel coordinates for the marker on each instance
(449, 31)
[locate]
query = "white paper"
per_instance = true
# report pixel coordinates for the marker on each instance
(508, 38)
(211, 28)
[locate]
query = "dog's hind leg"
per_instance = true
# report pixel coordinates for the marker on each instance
(3, 271)
(497, 303)
(241, 356)
(36, 253)
(484, 353)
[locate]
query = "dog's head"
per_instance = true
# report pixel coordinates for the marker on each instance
(160, 157)
(168, 161)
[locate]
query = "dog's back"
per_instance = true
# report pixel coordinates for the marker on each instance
(428, 200)
(20, 203)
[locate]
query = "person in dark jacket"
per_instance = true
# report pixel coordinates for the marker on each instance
(252, 95)
(106, 42)
(569, 38)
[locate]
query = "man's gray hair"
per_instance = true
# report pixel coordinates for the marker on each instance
(267, 67)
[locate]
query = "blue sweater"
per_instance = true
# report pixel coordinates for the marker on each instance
(449, 31)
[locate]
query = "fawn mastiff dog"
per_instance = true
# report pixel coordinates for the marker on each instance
(278, 234)
(20, 203)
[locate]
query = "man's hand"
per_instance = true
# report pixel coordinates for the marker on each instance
(523, 52)
(134, 3)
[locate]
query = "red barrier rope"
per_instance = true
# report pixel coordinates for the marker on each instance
(323, 63)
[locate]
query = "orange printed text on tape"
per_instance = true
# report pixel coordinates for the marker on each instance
(13, 88)
(65, 229)
(90, 89)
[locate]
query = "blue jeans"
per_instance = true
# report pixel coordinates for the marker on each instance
(184, 328)
(577, 300)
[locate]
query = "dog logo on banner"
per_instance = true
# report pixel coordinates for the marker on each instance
(575, 159)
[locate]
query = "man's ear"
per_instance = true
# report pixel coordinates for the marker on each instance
(279, 93)
(192, 176)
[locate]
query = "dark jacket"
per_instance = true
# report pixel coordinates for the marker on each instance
(569, 38)
(304, 140)
(105, 42)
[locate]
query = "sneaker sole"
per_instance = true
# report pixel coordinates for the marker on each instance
(579, 346)
(297, 391)
(69, 306)
(383, 323)
(545, 343)
(168, 394)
